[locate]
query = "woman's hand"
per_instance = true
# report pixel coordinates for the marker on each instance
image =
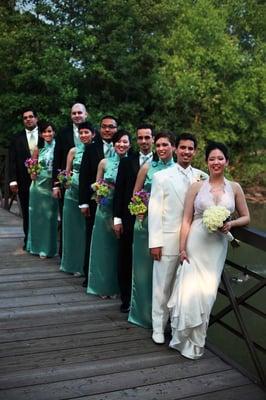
(33, 176)
(140, 217)
(183, 256)
(226, 227)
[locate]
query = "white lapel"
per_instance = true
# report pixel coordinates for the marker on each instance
(178, 183)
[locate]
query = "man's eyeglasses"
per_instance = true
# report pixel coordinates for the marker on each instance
(103, 126)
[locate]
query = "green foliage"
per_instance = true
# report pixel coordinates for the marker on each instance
(194, 65)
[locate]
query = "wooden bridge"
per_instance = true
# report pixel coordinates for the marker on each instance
(59, 343)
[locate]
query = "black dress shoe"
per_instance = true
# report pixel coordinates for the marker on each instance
(85, 283)
(124, 308)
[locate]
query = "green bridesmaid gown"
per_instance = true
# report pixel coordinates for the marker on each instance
(43, 208)
(73, 228)
(141, 293)
(102, 278)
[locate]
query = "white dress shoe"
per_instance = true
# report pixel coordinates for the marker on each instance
(158, 337)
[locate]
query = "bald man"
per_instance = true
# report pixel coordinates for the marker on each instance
(67, 138)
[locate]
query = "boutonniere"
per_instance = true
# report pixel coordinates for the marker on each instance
(201, 177)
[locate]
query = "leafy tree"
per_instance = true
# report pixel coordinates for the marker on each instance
(181, 64)
(34, 70)
(208, 81)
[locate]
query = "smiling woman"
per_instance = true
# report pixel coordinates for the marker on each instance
(103, 276)
(141, 295)
(42, 237)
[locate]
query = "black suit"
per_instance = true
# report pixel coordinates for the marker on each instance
(18, 152)
(64, 141)
(125, 182)
(92, 155)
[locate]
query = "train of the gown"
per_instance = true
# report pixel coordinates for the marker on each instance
(190, 305)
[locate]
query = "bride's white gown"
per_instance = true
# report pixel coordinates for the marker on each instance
(197, 282)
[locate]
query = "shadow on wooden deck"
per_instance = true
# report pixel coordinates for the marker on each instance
(59, 343)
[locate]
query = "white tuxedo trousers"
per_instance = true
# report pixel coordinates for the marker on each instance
(163, 278)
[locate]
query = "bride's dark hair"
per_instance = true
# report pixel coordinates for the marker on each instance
(216, 145)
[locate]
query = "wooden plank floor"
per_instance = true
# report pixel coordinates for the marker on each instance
(59, 343)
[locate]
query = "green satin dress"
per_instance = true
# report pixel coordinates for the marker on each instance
(102, 278)
(43, 208)
(74, 228)
(141, 293)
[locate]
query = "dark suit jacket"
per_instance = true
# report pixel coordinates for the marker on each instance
(18, 152)
(64, 141)
(126, 177)
(92, 155)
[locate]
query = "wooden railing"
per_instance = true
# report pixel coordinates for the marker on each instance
(6, 198)
(257, 239)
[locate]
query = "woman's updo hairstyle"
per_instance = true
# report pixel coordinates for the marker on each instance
(43, 125)
(120, 133)
(216, 145)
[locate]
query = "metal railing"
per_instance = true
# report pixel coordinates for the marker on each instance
(257, 239)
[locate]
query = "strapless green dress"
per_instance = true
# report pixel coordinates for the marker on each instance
(73, 227)
(43, 208)
(141, 293)
(102, 278)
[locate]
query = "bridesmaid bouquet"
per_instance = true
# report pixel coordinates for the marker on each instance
(139, 205)
(64, 178)
(214, 218)
(33, 166)
(102, 190)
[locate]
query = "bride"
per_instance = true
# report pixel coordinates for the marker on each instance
(202, 254)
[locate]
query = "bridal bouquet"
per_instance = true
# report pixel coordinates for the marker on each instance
(33, 166)
(64, 177)
(214, 218)
(102, 190)
(139, 206)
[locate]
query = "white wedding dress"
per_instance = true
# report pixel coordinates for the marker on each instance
(197, 282)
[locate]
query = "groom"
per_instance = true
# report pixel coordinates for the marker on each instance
(166, 206)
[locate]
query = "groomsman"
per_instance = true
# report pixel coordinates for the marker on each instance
(166, 206)
(123, 220)
(67, 138)
(101, 147)
(21, 147)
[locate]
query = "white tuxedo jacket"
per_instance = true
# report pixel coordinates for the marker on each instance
(166, 206)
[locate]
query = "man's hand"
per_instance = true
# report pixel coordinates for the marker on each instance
(156, 253)
(85, 211)
(14, 188)
(118, 230)
(57, 193)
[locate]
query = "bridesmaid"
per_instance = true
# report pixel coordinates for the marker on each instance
(102, 278)
(141, 295)
(74, 229)
(42, 238)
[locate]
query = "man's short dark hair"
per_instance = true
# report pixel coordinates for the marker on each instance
(186, 136)
(146, 126)
(27, 109)
(109, 117)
